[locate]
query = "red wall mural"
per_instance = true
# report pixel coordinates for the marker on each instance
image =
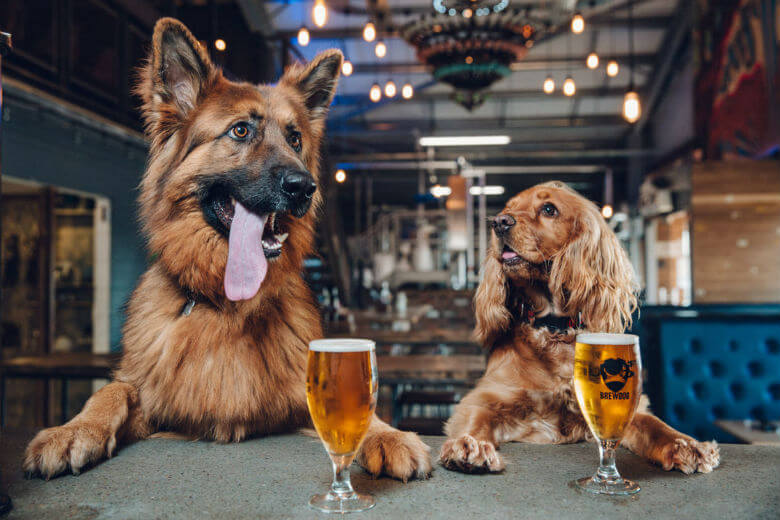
(737, 97)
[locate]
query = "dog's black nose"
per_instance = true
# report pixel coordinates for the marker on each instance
(298, 185)
(502, 223)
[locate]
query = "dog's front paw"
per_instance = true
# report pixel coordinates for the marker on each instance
(690, 456)
(69, 447)
(398, 454)
(470, 455)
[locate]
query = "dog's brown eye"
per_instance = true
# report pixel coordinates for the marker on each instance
(294, 139)
(549, 210)
(239, 131)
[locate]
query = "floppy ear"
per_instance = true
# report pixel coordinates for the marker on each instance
(593, 276)
(316, 81)
(493, 318)
(176, 74)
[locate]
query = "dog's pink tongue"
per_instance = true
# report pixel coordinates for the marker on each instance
(508, 255)
(246, 265)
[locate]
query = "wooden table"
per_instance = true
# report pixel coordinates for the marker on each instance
(62, 366)
(744, 432)
(273, 477)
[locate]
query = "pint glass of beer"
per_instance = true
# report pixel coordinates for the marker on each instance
(341, 390)
(607, 380)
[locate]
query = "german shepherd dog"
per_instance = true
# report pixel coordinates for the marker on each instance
(215, 342)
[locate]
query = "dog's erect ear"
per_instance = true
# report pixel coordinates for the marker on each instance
(178, 71)
(317, 81)
(593, 276)
(493, 318)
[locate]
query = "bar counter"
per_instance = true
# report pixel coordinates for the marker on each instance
(273, 477)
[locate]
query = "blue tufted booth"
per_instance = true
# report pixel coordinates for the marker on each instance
(712, 362)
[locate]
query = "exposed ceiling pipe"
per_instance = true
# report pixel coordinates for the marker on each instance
(452, 165)
(537, 154)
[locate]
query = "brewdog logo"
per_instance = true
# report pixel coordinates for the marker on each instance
(616, 372)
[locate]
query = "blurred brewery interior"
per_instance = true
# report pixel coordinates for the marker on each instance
(665, 113)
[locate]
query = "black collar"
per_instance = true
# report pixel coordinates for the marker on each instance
(551, 321)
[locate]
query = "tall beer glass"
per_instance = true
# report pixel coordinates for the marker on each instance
(608, 383)
(341, 390)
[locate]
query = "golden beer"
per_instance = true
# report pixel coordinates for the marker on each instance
(607, 380)
(608, 384)
(341, 388)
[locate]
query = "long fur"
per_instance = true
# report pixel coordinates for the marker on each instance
(572, 265)
(593, 275)
(227, 370)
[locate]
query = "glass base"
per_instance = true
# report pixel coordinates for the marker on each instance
(607, 486)
(333, 503)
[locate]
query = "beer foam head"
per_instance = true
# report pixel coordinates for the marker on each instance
(603, 338)
(341, 345)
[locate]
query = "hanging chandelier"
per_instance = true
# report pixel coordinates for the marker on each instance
(471, 45)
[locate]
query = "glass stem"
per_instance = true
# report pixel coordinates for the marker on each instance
(341, 486)
(607, 470)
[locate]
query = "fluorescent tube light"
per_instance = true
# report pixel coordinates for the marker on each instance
(440, 191)
(488, 190)
(474, 140)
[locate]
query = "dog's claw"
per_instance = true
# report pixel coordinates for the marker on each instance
(397, 454)
(470, 455)
(690, 456)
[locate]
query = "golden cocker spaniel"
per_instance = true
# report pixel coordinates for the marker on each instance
(554, 268)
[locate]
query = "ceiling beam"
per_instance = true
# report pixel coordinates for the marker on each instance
(545, 153)
(552, 169)
(654, 23)
(405, 137)
(669, 54)
(483, 123)
(559, 63)
(514, 94)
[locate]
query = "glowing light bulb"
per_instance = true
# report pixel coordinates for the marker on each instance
(549, 85)
(607, 211)
(340, 176)
(467, 13)
(380, 49)
(375, 94)
(369, 32)
(569, 88)
(612, 68)
(440, 191)
(220, 44)
(347, 68)
(407, 91)
(319, 13)
(593, 60)
(632, 108)
(577, 24)
(390, 89)
(303, 37)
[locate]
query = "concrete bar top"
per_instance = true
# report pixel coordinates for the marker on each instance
(273, 477)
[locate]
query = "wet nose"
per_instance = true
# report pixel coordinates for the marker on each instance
(298, 185)
(502, 223)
